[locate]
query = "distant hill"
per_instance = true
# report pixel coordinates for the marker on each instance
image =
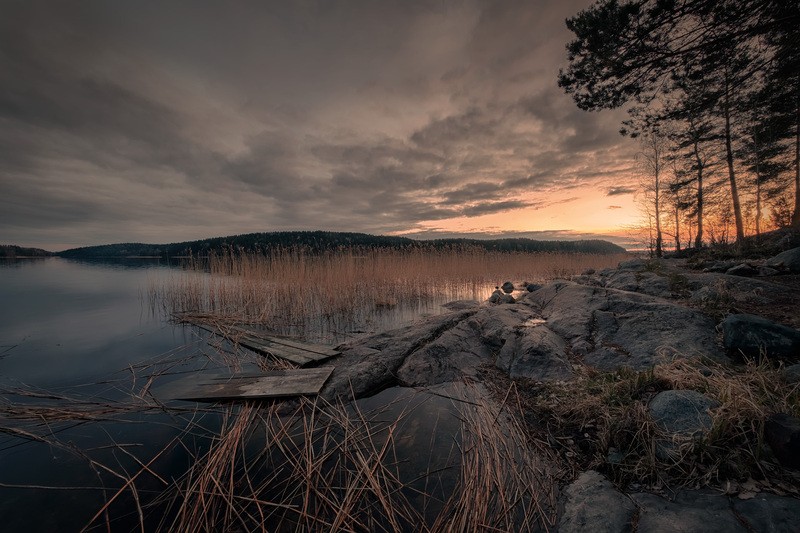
(320, 241)
(11, 252)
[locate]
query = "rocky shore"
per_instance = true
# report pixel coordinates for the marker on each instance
(638, 322)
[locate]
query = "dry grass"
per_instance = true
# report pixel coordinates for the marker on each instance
(601, 414)
(290, 287)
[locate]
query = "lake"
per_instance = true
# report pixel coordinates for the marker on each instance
(91, 436)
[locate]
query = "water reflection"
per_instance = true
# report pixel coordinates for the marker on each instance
(86, 370)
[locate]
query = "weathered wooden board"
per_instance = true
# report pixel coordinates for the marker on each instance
(318, 349)
(297, 352)
(271, 384)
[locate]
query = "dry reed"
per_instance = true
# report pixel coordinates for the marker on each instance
(290, 287)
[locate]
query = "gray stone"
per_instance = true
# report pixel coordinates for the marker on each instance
(753, 336)
(767, 271)
(507, 287)
(683, 415)
(720, 266)
(369, 364)
(535, 353)
(533, 287)
(743, 269)
(593, 504)
(782, 432)
(788, 261)
(768, 513)
(499, 297)
(617, 328)
(689, 512)
(792, 374)
(455, 354)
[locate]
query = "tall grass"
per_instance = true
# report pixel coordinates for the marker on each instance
(290, 287)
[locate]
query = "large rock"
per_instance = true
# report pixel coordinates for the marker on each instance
(788, 261)
(593, 504)
(769, 513)
(689, 512)
(612, 328)
(370, 364)
(782, 432)
(742, 270)
(456, 353)
(752, 336)
(535, 352)
(682, 415)
(507, 287)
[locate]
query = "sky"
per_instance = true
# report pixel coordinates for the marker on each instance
(174, 120)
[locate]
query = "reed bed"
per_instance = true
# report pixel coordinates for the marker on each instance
(291, 287)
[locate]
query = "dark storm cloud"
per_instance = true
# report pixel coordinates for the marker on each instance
(174, 120)
(617, 191)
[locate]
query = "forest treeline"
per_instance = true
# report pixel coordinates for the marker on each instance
(712, 90)
(324, 241)
(10, 251)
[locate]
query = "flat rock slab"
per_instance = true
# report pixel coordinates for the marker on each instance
(612, 328)
(593, 504)
(769, 513)
(689, 512)
(272, 384)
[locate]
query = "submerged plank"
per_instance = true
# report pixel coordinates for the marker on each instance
(298, 352)
(318, 349)
(271, 384)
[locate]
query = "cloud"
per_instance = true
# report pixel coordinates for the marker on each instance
(615, 207)
(617, 191)
(126, 121)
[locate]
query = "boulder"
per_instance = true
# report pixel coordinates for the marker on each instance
(533, 287)
(782, 432)
(787, 261)
(689, 511)
(764, 271)
(792, 374)
(753, 336)
(683, 415)
(499, 297)
(743, 269)
(507, 287)
(593, 504)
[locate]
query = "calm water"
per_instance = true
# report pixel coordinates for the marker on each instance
(83, 338)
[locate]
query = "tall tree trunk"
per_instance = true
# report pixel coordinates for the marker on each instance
(737, 209)
(698, 240)
(659, 239)
(757, 154)
(677, 229)
(796, 214)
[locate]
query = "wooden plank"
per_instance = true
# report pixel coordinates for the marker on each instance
(297, 352)
(319, 349)
(271, 384)
(293, 355)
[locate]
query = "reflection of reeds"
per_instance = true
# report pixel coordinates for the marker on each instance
(290, 286)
